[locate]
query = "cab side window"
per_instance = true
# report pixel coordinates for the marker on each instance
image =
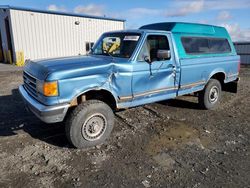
(151, 46)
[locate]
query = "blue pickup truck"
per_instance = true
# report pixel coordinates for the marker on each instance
(130, 68)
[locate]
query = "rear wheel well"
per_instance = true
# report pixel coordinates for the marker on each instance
(101, 95)
(220, 76)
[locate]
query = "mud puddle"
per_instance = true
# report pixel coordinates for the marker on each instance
(179, 135)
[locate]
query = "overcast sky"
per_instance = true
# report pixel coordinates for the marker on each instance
(232, 14)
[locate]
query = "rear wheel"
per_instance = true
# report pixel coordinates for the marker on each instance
(89, 124)
(209, 98)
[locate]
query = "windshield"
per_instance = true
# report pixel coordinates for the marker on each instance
(116, 44)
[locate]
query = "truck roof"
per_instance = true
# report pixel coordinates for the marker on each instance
(182, 27)
(139, 31)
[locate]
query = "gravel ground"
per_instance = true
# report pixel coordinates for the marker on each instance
(168, 144)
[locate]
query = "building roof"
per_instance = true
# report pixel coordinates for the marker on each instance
(59, 13)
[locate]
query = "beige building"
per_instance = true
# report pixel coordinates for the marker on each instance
(35, 34)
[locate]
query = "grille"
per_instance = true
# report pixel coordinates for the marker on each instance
(30, 84)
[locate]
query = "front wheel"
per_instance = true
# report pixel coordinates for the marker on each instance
(209, 98)
(89, 124)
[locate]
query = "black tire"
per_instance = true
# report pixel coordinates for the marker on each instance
(210, 97)
(84, 119)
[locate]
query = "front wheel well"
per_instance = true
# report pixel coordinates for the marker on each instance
(101, 95)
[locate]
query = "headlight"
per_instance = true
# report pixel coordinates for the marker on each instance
(48, 89)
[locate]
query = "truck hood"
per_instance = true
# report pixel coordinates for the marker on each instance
(62, 68)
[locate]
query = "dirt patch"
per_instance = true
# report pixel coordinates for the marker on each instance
(37, 160)
(165, 161)
(167, 144)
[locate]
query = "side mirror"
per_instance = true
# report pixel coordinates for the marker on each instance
(163, 54)
(147, 59)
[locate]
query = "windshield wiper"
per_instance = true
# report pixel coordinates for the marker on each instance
(106, 54)
(109, 54)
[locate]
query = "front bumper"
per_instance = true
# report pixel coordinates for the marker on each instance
(48, 114)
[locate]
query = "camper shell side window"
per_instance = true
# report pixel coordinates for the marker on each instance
(205, 45)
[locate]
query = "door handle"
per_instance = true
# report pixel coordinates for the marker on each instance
(171, 66)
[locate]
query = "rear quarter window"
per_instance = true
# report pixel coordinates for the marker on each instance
(204, 45)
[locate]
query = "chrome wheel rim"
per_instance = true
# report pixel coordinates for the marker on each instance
(94, 127)
(214, 94)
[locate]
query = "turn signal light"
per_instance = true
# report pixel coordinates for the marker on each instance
(50, 89)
